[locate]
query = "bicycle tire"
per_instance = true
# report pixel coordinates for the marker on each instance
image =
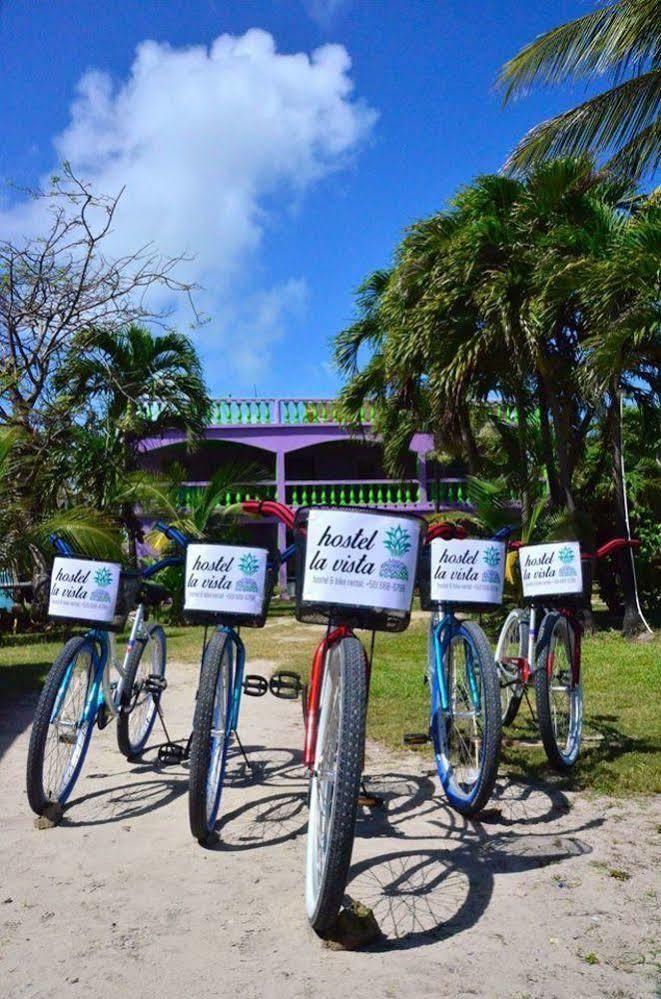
(39, 796)
(345, 669)
(471, 802)
(511, 694)
(217, 669)
(129, 746)
(556, 627)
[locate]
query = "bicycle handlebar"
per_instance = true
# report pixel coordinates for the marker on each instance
(615, 544)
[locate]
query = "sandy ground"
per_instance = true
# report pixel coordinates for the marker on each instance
(549, 896)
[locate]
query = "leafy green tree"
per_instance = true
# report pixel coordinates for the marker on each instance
(620, 41)
(125, 387)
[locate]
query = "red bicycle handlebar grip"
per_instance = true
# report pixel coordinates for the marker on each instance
(615, 544)
(270, 508)
(446, 531)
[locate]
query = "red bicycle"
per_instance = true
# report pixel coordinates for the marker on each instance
(548, 655)
(355, 569)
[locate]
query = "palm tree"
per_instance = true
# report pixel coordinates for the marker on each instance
(26, 526)
(127, 387)
(620, 40)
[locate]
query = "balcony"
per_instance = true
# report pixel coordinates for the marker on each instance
(277, 412)
(379, 493)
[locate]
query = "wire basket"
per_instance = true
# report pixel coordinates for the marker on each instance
(127, 593)
(390, 583)
(235, 618)
(577, 601)
(424, 586)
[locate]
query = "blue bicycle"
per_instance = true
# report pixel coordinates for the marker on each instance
(88, 686)
(465, 715)
(222, 681)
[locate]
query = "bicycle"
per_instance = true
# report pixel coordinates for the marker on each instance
(556, 582)
(78, 692)
(465, 723)
(369, 586)
(227, 586)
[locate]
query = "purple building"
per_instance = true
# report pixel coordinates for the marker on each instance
(308, 458)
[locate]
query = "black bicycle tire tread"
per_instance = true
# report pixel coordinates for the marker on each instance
(347, 785)
(516, 699)
(123, 739)
(492, 721)
(542, 698)
(34, 775)
(199, 754)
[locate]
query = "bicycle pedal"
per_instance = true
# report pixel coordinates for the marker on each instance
(255, 685)
(286, 685)
(103, 717)
(415, 738)
(155, 684)
(171, 753)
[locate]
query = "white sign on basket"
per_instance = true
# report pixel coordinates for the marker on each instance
(84, 590)
(468, 572)
(225, 579)
(360, 559)
(551, 569)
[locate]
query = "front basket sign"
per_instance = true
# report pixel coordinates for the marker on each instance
(84, 590)
(551, 570)
(225, 579)
(360, 559)
(467, 572)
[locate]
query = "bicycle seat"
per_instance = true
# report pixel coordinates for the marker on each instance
(153, 594)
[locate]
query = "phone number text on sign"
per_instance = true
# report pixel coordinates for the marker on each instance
(360, 559)
(225, 579)
(469, 571)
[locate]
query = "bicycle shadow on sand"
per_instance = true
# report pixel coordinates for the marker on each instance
(422, 893)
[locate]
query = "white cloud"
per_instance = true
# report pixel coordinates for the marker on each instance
(325, 11)
(206, 141)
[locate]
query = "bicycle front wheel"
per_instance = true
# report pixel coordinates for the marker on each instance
(212, 731)
(467, 734)
(558, 692)
(335, 781)
(137, 705)
(512, 646)
(62, 726)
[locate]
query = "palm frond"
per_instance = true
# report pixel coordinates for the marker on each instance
(613, 118)
(615, 38)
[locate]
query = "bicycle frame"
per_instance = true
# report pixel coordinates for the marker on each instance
(442, 632)
(331, 638)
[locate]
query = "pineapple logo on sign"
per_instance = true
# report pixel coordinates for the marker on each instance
(492, 558)
(248, 565)
(398, 543)
(566, 557)
(103, 578)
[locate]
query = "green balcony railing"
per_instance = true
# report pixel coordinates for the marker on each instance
(277, 412)
(348, 492)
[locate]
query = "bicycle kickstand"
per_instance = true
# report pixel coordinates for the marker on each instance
(243, 752)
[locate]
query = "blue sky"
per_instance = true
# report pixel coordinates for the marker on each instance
(291, 179)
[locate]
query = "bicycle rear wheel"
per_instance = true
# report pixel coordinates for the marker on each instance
(558, 694)
(211, 736)
(512, 645)
(335, 781)
(467, 736)
(137, 704)
(62, 726)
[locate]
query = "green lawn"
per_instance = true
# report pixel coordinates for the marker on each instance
(621, 754)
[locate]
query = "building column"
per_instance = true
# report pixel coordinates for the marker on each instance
(421, 464)
(281, 497)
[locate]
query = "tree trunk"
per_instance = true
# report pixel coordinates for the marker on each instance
(632, 623)
(524, 469)
(468, 439)
(547, 444)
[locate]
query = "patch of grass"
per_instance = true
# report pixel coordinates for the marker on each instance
(591, 958)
